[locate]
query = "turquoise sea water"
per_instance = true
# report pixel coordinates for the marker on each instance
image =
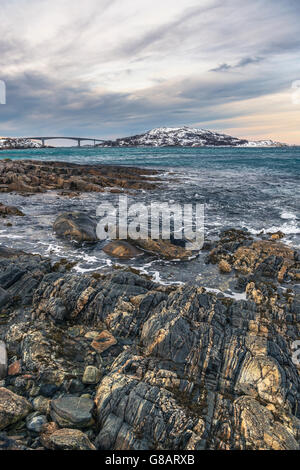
(257, 189)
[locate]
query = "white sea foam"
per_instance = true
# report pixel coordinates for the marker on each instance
(288, 215)
(233, 295)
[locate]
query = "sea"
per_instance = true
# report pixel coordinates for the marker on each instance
(256, 189)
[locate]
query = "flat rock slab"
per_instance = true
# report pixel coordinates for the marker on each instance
(3, 360)
(72, 411)
(13, 408)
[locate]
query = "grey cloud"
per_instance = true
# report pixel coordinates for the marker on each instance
(241, 63)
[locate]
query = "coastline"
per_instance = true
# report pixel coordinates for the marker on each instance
(216, 372)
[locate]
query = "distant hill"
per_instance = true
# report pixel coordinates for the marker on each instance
(185, 137)
(8, 143)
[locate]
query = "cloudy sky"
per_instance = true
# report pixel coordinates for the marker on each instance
(108, 68)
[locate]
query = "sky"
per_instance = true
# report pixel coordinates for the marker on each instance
(113, 68)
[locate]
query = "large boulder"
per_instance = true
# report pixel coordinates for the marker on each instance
(13, 408)
(76, 226)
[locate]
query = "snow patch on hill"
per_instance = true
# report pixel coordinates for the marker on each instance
(7, 143)
(185, 137)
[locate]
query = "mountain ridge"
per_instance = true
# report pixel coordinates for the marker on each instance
(186, 137)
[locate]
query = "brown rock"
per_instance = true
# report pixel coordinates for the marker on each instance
(9, 210)
(14, 368)
(277, 235)
(121, 249)
(13, 408)
(224, 266)
(164, 248)
(104, 341)
(68, 439)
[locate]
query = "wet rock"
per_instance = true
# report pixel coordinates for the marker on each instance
(3, 360)
(276, 236)
(73, 412)
(91, 375)
(9, 210)
(68, 439)
(30, 176)
(13, 408)
(164, 248)
(121, 249)
(75, 226)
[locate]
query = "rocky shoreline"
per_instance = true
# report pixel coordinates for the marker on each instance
(119, 362)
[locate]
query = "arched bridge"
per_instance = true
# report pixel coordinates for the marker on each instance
(77, 139)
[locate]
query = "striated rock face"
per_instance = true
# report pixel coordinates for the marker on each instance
(31, 176)
(181, 367)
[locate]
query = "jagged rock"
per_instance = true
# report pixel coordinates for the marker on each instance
(277, 236)
(68, 439)
(190, 369)
(13, 408)
(224, 266)
(72, 412)
(75, 226)
(121, 249)
(3, 360)
(31, 176)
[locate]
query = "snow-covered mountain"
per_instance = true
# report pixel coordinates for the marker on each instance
(184, 137)
(7, 143)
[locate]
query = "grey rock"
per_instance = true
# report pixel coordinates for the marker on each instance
(36, 423)
(74, 412)
(4, 297)
(3, 360)
(75, 226)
